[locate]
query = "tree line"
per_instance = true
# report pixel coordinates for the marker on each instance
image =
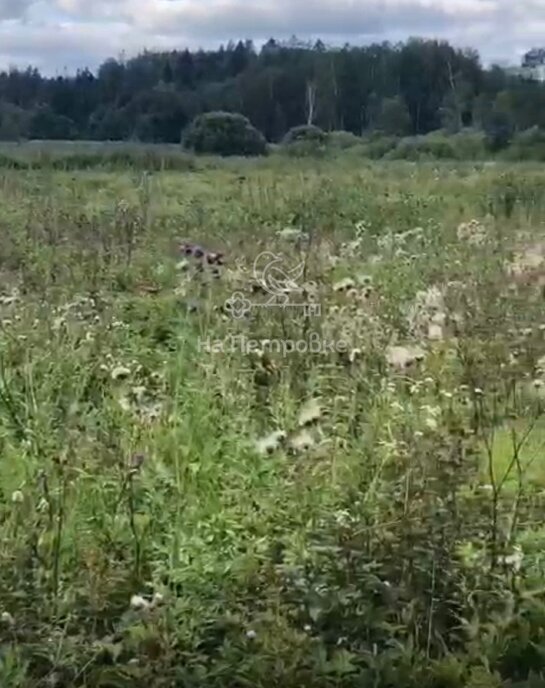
(408, 88)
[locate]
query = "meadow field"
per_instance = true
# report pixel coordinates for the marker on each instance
(201, 487)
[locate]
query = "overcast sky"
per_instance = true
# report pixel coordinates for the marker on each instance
(59, 35)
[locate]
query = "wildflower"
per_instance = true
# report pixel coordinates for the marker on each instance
(120, 373)
(307, 628)
(151, 412)
(7, 619)
(302, 442)
(402, 357)
(157, 599)
(435, 333)
(139, 604)
(139, 393)
(124, 403)
(473, 232)
(344, 285)
(513, 560)
(251, 634)
(431, 424)
(478, 391)
(269, 444)
(310, 413)
(17, 497)
(293, 234)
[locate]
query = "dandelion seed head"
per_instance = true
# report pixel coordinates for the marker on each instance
(17, 497)
(270, 443)
(139, 603)
(120, 373)
(302, 441)
(7, 619)
(310, 413)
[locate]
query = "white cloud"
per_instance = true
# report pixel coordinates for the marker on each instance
(54, 34)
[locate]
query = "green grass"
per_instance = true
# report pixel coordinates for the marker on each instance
(130, 462)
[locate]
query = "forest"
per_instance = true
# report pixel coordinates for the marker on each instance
(409, 88)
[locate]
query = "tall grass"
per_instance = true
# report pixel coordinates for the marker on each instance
(153, 528)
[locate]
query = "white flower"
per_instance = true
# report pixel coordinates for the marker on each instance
(7, 619)
(139, 604)
(310, 413)
(251, 634)
(431, 423)
(17, 497)
(269, 444)
(157, 599)
(344, 284)
(120, 373)
(402, 357)
(513, 560)
(124, 403)
(435, 333)
(302, 442)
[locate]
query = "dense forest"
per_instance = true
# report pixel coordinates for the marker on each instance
(409, 88)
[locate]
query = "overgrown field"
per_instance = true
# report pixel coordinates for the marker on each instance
(189, 498)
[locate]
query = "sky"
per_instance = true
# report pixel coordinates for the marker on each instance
(59, 36)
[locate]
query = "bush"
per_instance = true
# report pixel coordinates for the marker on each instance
(527, 145)
(306, 140)
(469, 144)
(499, 131)
(374, 147)
(307, 133)
(341, 140)
(224, 133)
(417, 148)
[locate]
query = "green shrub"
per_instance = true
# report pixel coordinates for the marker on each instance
(499, 131)
(307, 133)
(469, 144)
(224, 133)
(527, 145)
(465, 145)
(342, 140)
(376, 146)
(417, 148)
